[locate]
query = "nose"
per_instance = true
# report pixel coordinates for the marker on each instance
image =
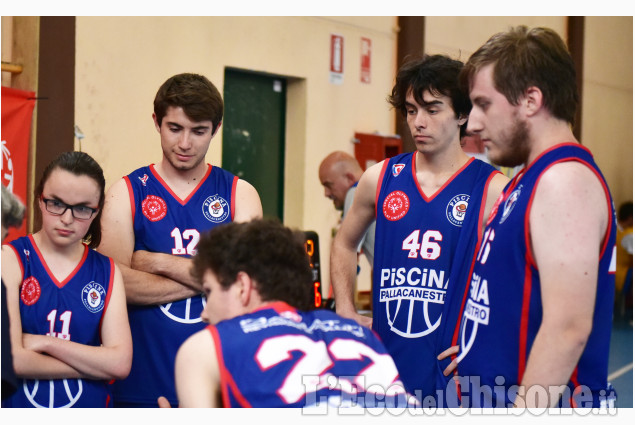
(184, 141)
(67, 216)
(474, 123)
(421, 119)
(204, 315)
(327, 192)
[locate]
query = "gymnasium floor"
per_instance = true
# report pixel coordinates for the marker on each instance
(621, 360)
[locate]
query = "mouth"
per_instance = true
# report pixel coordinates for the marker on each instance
(422, 138)
(64, 232)
(182, 157)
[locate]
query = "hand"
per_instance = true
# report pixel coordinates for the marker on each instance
(361, 319)
(163, 402)
(453, 364)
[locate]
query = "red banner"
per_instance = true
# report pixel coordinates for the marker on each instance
(17, 112)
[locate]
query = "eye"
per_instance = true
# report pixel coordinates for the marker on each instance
(57, 204)
(82, 209)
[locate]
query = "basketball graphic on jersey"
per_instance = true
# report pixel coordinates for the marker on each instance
(93, 297)
(409, 314)
(154, 208)
(186, 311)
(68, 392)
(456, 209)
(476, 313)
(30, 291)
(396, 205)
(215, 209)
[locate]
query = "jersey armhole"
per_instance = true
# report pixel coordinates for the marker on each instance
(609, 225)
(108, 294)
(233, 196)
(131, 197)
(380, 182)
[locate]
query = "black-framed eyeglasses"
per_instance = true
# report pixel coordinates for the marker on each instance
(57, 207)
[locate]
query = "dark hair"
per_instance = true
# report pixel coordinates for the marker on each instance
(625, 211)
(80, 164)
(198, 97)
(524, 58)
(270, 253)
(438, 74)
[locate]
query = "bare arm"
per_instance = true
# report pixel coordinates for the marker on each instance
(248, 204)
(117, 242)
(344, 249)
(111, 360)
(196, 372)
(568, 220)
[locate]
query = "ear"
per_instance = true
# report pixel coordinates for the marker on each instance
(351, 178)
(156, 122)
(462, 119)
(533, 101)
(246, 288)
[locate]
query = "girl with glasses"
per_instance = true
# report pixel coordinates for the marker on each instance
(69, 326)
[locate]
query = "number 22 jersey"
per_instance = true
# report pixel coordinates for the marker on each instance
(165, 223)
(277, 356)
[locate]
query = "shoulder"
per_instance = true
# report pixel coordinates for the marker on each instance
(196, 347)
(570, 194)
(11, 265)
(248, 205)
(569, 179)
(119, 188)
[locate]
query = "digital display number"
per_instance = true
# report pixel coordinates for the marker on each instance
(312, 248)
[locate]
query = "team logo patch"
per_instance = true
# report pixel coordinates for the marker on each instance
(396, 169)
(215, 209)
(456, 209)
(154, 208)
(510, 203)
(94, 297)
(396, 205)
(30, 291)
(144, 179)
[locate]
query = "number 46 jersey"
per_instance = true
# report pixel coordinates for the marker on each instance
(278, 356)
(165, 223)
(421, 247)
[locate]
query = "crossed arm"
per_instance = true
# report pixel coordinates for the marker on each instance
(154, 277)
(46, 357)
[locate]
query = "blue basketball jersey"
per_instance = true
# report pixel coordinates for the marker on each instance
(165, 223)
(419, 241)
(278, 356)
(504, 310)
(70, 310)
